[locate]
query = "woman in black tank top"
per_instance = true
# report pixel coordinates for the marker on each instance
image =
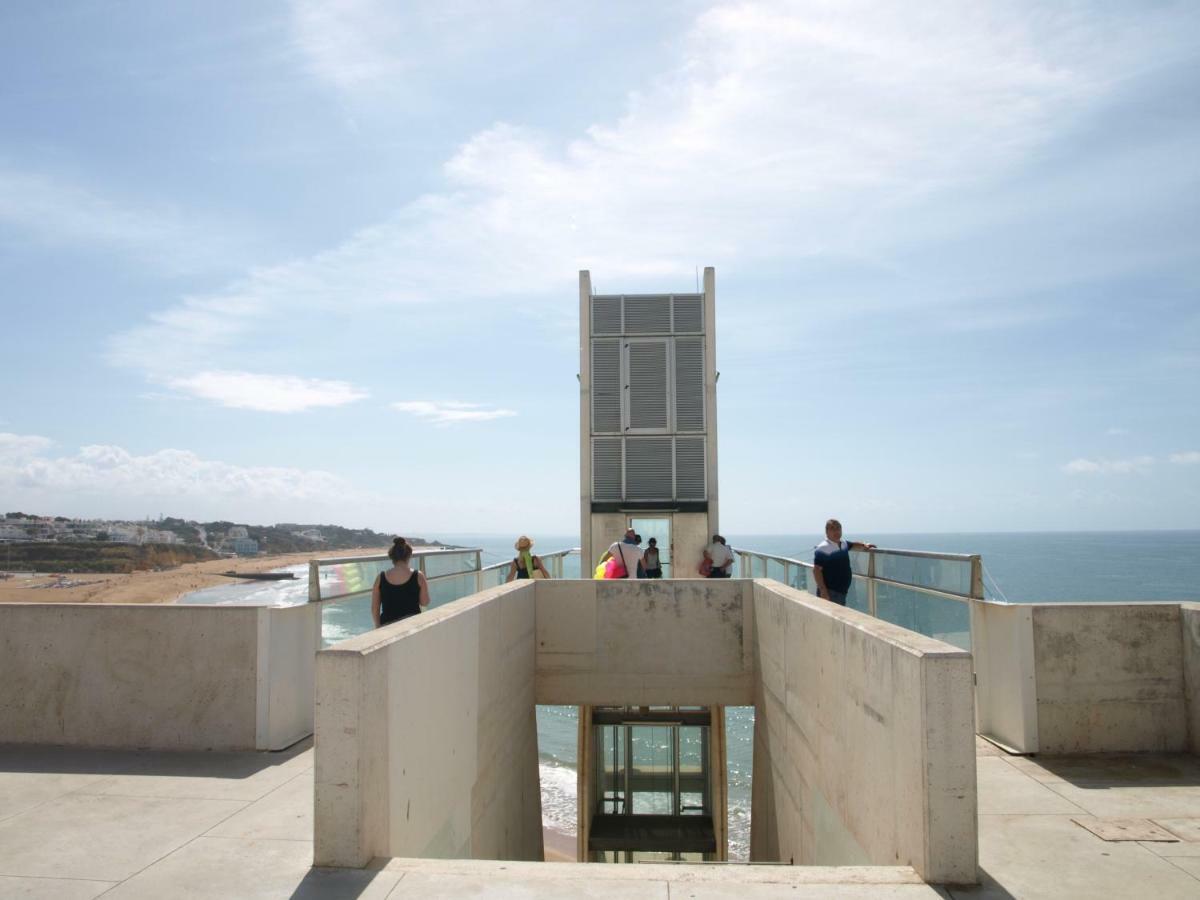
(404, 593)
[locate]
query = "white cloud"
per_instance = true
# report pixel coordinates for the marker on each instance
(1188, 458)
(451, 413)
(361, 46)
(338, 43)
(1108, 466)
(267, 393)
(17, 447)
(1116, 431)
(169, 474)
(804, 129)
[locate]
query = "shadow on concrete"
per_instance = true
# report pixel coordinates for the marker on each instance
(343, 884)
(40, 759)
(1105, 770)
(987, 889)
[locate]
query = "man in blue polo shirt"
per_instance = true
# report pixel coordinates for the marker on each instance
(831, 563)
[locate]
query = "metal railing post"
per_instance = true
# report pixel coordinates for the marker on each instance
(314, 581)
(478, 571)
(976, 577)
(872, 600)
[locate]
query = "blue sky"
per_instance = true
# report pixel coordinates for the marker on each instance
(317, 261)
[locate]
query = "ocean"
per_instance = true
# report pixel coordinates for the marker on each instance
(1025, 567)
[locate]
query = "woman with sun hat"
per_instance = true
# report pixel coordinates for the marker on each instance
(525, 564)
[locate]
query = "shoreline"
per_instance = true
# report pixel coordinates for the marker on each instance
(149, 586)
(558, 846)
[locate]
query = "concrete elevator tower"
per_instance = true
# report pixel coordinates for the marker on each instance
(652, 778)
(648, 422)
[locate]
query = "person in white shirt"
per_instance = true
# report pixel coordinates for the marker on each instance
(627, 551)
(721, 557)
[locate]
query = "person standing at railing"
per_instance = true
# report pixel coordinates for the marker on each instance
(831, 563)
(719, 557)
(526, 565)
(399, 592)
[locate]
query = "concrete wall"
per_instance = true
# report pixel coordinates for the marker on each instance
(864, 742)
(691, 533)
(426, 736)
(288, 639)
(1005, 686)
(606, 528)
(645, 642)
(864, 746)
(1189, 614)
(161, 677)
(1110, 677)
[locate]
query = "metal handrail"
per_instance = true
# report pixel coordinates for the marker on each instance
(378, 557)
(975, 592)
(314, 568)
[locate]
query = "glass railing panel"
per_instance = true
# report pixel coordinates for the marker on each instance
(351, 577)
(345, 618)
(448, 562)
(860, 562)
(776, 569)
(801, 578)
(494, 577)
(447, 590)
(938, 617)
(953, 576)
(856, 597)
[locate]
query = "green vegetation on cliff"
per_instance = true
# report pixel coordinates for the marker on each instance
(93, 557)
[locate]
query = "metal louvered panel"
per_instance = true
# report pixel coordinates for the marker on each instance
(648, 469)
(647, 315)
(606, 386)
(689, 313)
(606, 315)
(689, 384)
(647, 376)
(606, 468)
(689, 468)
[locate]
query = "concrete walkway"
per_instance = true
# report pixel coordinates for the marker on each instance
(1031, 845)
(83, 824)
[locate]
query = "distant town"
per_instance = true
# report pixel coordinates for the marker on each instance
(220, 538)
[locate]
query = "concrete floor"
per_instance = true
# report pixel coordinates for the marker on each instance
(83, 824)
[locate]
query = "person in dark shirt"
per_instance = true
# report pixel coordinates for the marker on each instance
(650, 559)
(400, 591)
(831, 563)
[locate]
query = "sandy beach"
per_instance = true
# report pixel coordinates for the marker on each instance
(154, 587)
(559, 846)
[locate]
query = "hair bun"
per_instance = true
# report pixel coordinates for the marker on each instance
(401, 550)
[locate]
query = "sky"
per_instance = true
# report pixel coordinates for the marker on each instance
(317, 261)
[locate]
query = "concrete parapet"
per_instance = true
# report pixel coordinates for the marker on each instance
(1189, 622)
(1109, 677)
(157, 677)
(426, 736)
(864, 741)
(426, 742)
